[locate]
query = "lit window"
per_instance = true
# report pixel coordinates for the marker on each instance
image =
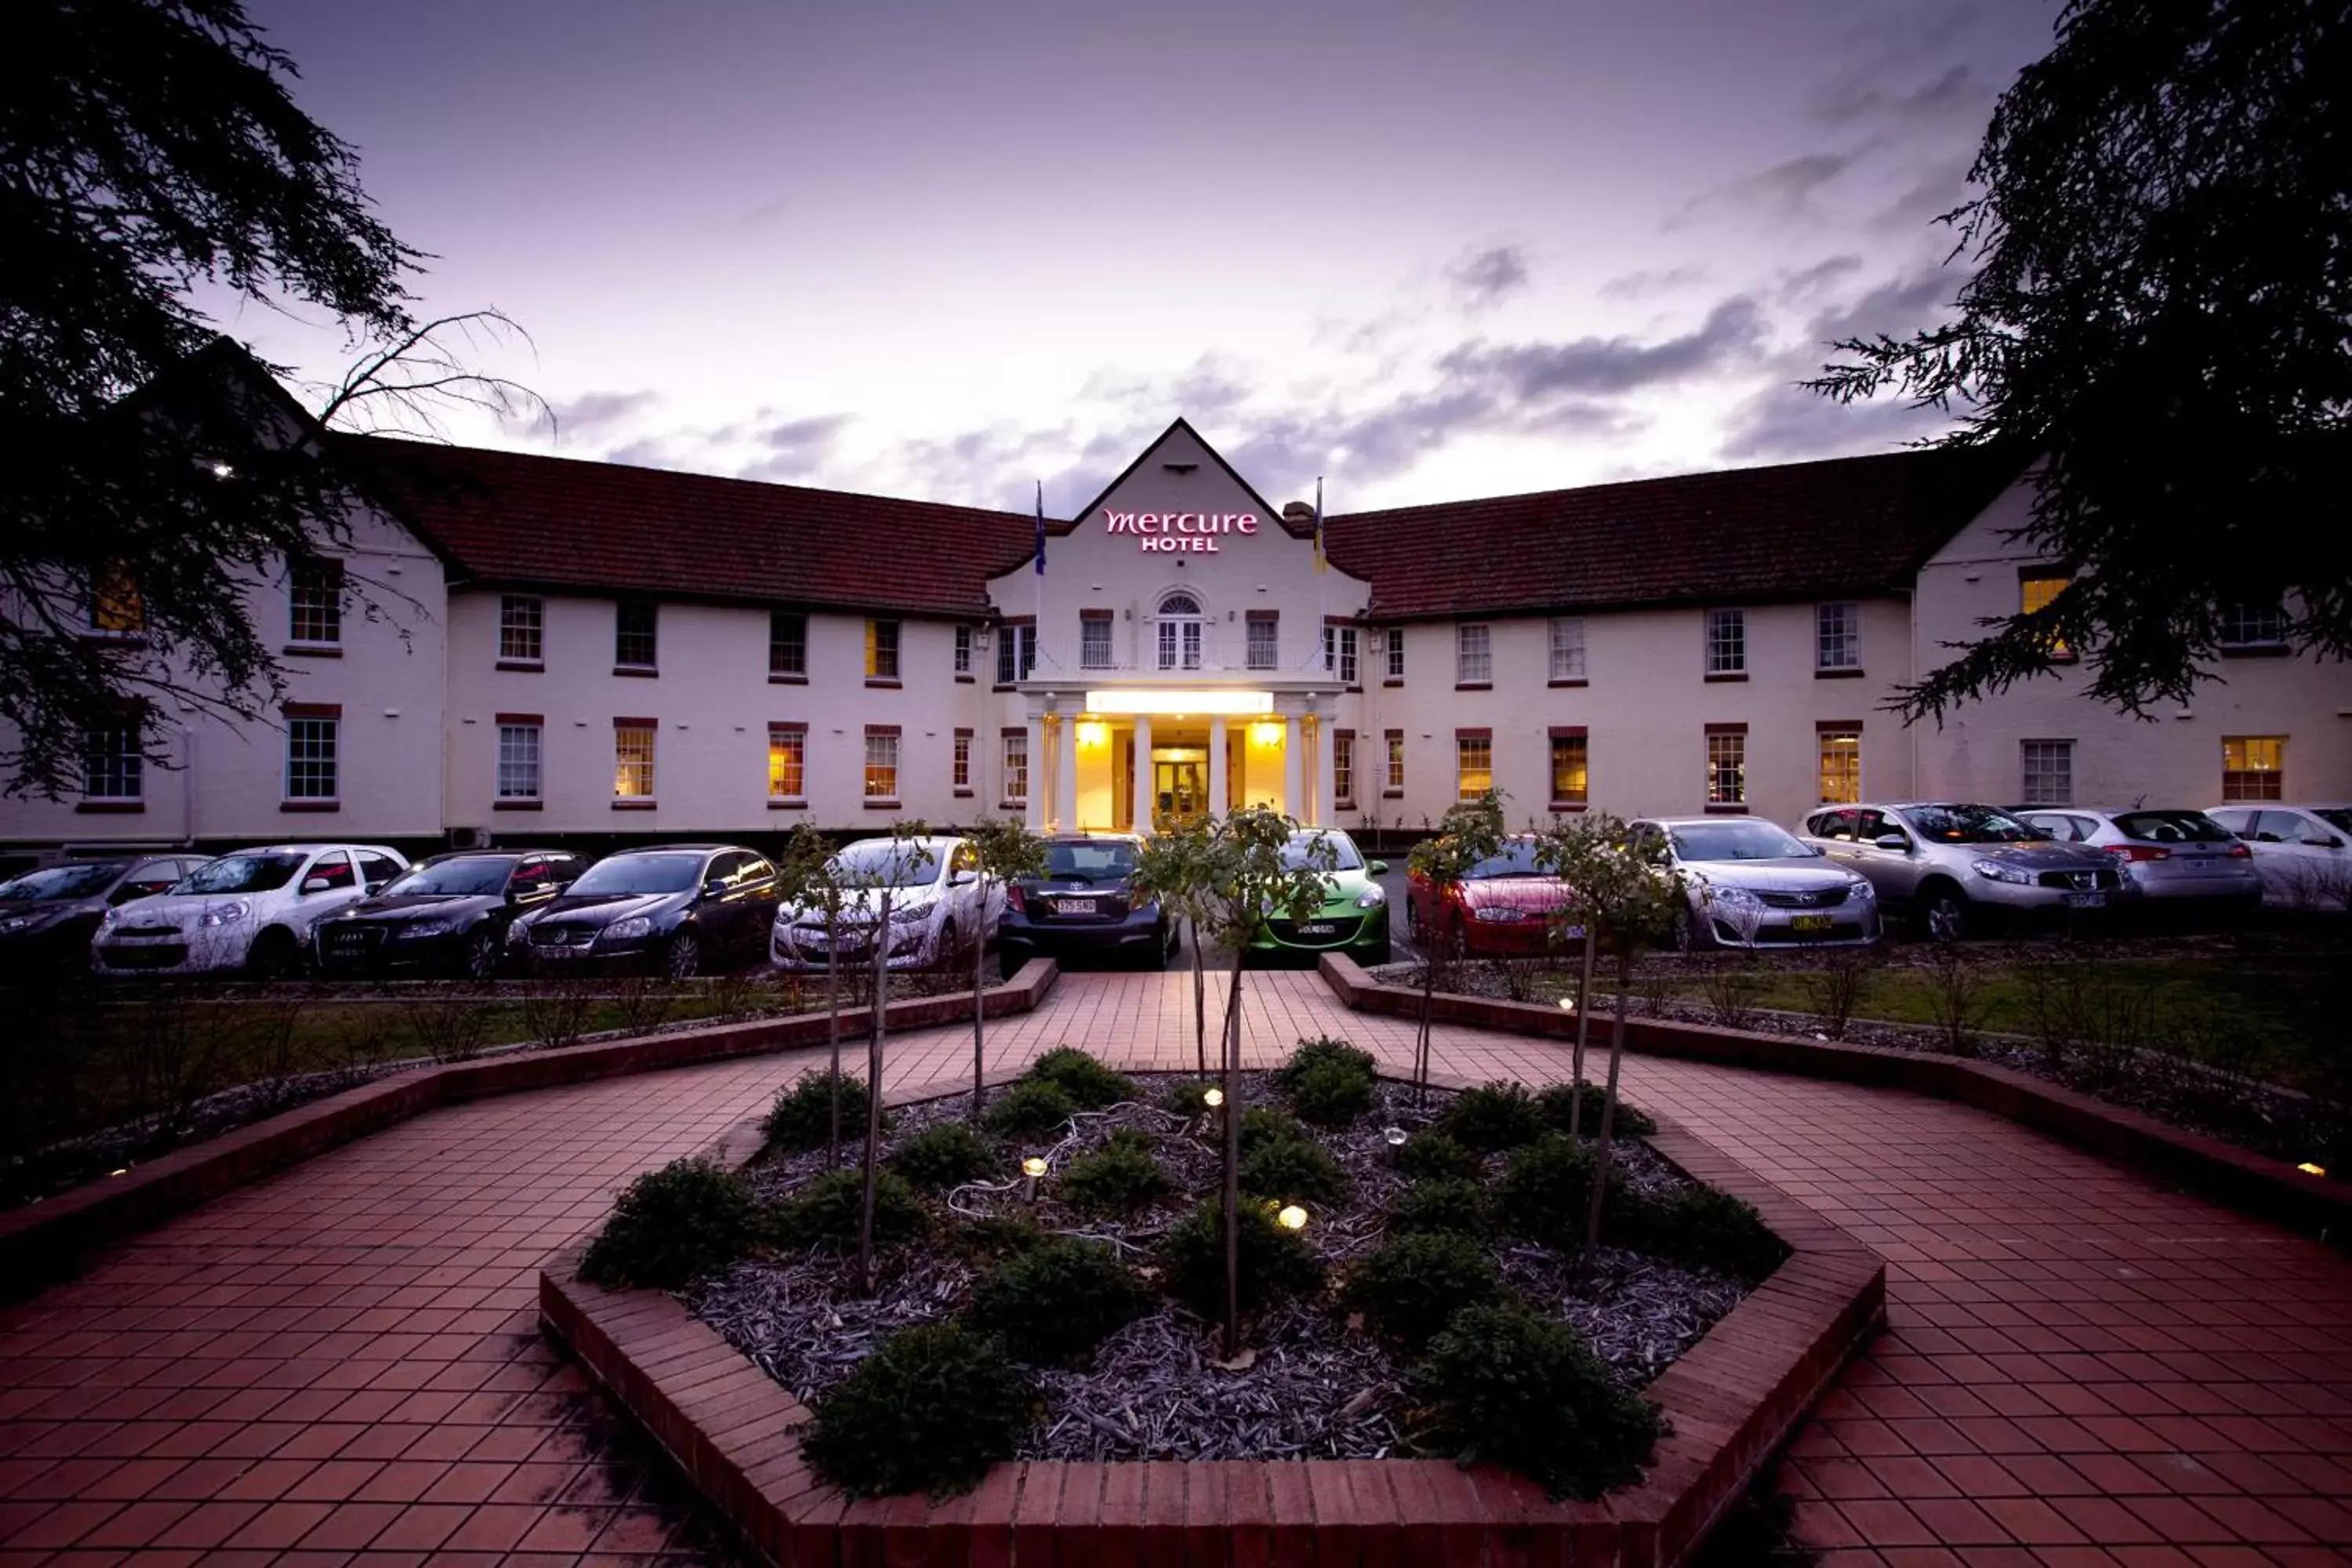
(2253, 626)
(787, 761)
(521, 623)
(881, 763)
(1474, 765)
(1094, 639)
(633, 761)
(1016, 766)
(1396, 653)
(113, 766)
(1726, 767)
(315, 594)
(2253, 767)
(634, 627)
(881, 650)
(963, 650)
(2049, 778)
(1340, 653)
(1395, 739)
(310, 745)
(787, 642)
(1473, 658)
(2036, 592)
(116, 608)
(1726, 642)
(1570, 775)
(1263, 632)
(1837, 642)
(519, 761)
(1343, 767)
(1840, 766)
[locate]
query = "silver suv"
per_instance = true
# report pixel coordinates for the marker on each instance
(1951, 865)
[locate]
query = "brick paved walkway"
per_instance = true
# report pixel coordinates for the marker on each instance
(340, 1364)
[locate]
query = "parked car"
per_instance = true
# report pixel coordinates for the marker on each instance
(1353, 917)
(49, 915)
(1085, 906)
(446, 916)
(1955, 865)
(932, 886)
(1504, 907)
(674, 910)
(252, 911)
(1751, 883)
(2303, 853)
(2181, 860)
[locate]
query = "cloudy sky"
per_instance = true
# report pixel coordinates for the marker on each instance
(947, 250)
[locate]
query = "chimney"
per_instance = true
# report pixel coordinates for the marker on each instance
(1298, 512)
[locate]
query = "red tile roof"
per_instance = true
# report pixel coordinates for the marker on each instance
(1797, 530)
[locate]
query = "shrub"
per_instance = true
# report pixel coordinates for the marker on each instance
(1518, 1390)
(994, 1237)
(1546, 1188)
(1274, 1263)
(802, 1117)
(825, 1212)
(1493, 1116)
(1292, 1170)
(1410, 1287)
(1119, 1176)
(930, 1409)
(1263, 1125)
(1332, 1094)
(1449, 1203)
(944, 1156)
(1030, 1109)
(1431, 1156)
(1089, 1083)
(672, 1227)
(1704, 1228)
(1054, 1302)
(1183, 1096)
(1325, 1052)
(1557, 1101)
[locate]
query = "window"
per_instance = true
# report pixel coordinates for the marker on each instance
(518, 744)
(333, 869)
(1840, 749)
(787, 762)
(2049, 772)
(522, 626)
(1837, 637)
(1394, 740)
(1264, 650)
(881, 650)
(1180, 632)
(963, 651)
(1396, 653)
(310, 745)
(632, 759)
(633, 640)
(1474, 763)
(787, 645)
(1568, 648)
(2035, 590)
(963, 778)
(1343, 768)
(2253, 767)
(1726, 642)
(1340, 653)
(1016, 653)
(1474, 656)
(1570, 777)
(1726, 765)
(1016, 766)
(2253, 626)
(881, 762)
(1094, 639)
(113, 767)
(116, 608)
(315, 594)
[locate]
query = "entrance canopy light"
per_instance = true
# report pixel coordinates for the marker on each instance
(1154, 700)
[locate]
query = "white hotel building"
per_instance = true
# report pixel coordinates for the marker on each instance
(576, 652)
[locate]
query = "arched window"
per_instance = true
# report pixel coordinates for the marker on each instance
(1179, 631)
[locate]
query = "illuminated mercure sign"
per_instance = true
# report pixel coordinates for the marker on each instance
(1188, 530)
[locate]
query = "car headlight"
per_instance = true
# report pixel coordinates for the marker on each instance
(1733, 899)
(1371, 899)
(1995, 871)
(909, 914)
(517, 933)
(423, 929)
(22, 922)
(1860, 888)
(107, 921)
(628, 929)
(227, 914)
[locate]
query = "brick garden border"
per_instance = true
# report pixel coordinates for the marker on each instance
(1733, 1399)
(46, 1241)
(2237, 1178)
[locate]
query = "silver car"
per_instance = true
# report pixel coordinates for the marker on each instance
(2303, 852)
(1952, 865)
(2183, 859)
(1750, 883)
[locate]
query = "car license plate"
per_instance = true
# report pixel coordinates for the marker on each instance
(2085, 900)
(1074, 905)
(1318, 927)
(1810, 923)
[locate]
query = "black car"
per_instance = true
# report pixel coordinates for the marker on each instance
(447, 915)
(673, 908)
(49, 915)
(1084, 907)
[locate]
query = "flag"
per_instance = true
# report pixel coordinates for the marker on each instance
(1041, 528)
(1320, 561)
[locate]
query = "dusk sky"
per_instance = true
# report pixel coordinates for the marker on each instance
(943, 251)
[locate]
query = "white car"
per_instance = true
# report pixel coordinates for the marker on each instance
(932, 890)
(252, 910)
(2303, 852)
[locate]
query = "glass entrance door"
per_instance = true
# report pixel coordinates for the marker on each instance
(1180, 793)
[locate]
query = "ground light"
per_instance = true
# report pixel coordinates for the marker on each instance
(1292, 1218)
(1212, 1098)
(1031, 1169)
(2308, 1169)
(1394, 1138)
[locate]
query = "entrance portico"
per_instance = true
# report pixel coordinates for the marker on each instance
(1144, 759)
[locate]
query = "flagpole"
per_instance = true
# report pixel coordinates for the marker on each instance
(1322, 628)
(1038, 627)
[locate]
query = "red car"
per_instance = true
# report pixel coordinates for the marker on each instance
(1505, 907)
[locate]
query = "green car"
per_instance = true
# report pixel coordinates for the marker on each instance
(1354, 916)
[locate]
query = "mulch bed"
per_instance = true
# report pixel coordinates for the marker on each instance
(1316, 1385)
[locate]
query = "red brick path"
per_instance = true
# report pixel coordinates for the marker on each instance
(2082, 1368)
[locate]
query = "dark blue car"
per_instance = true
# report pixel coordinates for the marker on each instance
(1084, 907)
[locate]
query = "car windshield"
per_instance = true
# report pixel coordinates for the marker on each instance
(85, 882)
(886, 862)
(1095, 858)
(2335, 817)
(2172, 828)
(474, 875)
(1323, 851)
(1971, 825)
(244, 873)
(641, 874)
(1737, 841)
(1516, 859)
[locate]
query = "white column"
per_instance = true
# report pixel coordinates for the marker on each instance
(1066, 777)
(1144, 798)
(1218, 803)
(1036, 802)
(1326, 773)
(1294, 802)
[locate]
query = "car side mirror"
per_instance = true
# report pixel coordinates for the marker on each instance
(1377, 867)
(965, 878)
(2331, 842)
(714, 890)
(317, 884)
(1891, 841)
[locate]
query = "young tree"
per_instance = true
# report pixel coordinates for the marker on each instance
(1469, 833)
(1004, 851)
(2158, 308)
(1174, 867)
(811, 878)
(909, 858)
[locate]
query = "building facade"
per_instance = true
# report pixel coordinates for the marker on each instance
(522, 648)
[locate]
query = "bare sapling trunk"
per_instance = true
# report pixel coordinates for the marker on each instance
(1200, 1001)
(880, 1014)
(1583, 1031)
(1232, 1199)
(833, 1032)
(978, 1004)
(1609, 1104)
